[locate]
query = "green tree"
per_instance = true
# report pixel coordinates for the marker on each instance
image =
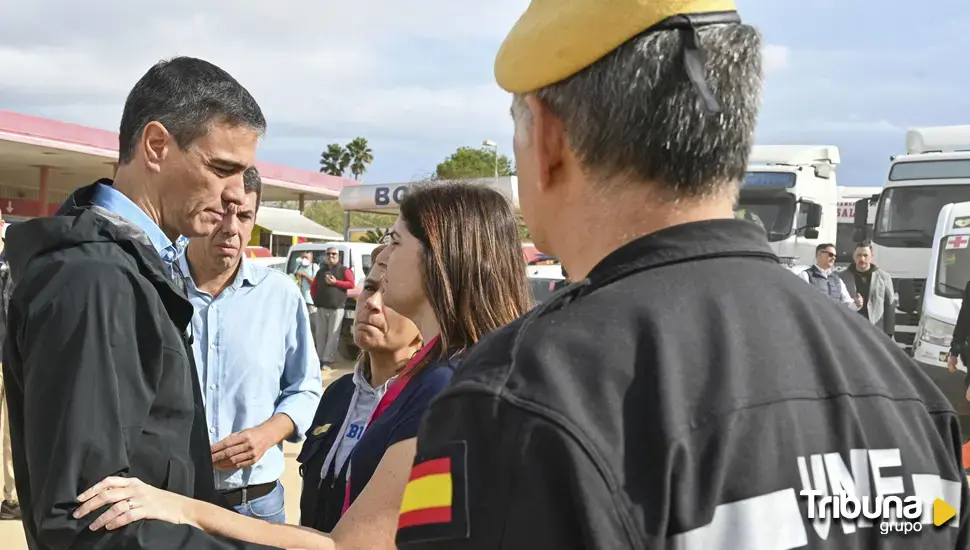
(360, 156)
(373, 237)
(330, 215)
(469, 162)
(334, 160)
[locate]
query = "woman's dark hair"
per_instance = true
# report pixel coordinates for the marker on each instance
(472, 263)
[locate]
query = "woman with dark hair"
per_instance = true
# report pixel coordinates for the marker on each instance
(387, 341)
(455, 268)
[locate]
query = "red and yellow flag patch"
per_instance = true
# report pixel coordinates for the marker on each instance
(435, 504)
(428, 496)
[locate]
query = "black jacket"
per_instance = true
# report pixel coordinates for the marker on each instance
(322, 499)
(648, 407)
(99, 379)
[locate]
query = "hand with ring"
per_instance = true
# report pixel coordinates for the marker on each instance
(133, 500)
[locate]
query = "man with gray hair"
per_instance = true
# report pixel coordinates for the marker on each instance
(684, 390)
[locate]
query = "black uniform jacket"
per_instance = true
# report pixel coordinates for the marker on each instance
(322, 498)
(682, 397)
(100, 379)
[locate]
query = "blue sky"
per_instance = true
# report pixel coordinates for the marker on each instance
(416, 78)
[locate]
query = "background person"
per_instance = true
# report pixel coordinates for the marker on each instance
(10, 507)
(254, 352)
(305, 273)
(436, 278)
(822, 277)
(98, 368)
(874, 286)
(685, 390)
(387, 341)
(330, 296)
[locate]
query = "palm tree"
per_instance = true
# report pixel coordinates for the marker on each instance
(334, 160)
(360, 156)
(374, 237)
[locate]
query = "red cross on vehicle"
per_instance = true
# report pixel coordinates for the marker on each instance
(957, 242)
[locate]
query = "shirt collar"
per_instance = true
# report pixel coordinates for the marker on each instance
(249, 274)
(685, 242)
(823, 270)
(111, 199)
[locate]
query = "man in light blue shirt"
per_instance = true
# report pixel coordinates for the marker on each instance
(257, 363)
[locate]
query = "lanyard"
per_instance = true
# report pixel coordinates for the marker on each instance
(389, 396)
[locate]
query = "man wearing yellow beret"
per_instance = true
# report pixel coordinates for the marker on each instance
(685, 392)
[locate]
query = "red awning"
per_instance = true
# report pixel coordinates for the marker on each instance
(258, 252)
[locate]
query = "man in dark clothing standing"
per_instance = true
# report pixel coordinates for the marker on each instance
(863, 279)
(100, 378)
(686, 392)
(823, 277)
(330, 286)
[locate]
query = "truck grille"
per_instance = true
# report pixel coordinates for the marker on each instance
(907, 322)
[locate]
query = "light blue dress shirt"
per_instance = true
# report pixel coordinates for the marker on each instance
(111, 199)
(255, 356)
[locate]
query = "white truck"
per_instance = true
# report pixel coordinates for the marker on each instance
(845, 231)
(935, 171)
(791, 190)
(948, 272)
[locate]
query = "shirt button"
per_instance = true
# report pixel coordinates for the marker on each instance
(212, 346)
(212, 430)
(212, 386)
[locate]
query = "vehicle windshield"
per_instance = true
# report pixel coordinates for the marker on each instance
(907, 215)
(774, 211)
(953, 267)
(319, 258)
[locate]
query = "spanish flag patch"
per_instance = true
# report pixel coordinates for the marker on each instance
(435, 503)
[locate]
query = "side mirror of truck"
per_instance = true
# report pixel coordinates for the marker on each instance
(860, 221)
(908, 299)
(813, 215)
(811, 233)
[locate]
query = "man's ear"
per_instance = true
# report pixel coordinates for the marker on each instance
(548, 142)
(155, 143)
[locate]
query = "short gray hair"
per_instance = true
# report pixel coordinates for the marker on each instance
(635, 114)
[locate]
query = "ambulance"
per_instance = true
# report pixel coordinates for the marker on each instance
(948, 272)
(934, 172)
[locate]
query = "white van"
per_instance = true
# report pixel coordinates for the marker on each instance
(354, 255)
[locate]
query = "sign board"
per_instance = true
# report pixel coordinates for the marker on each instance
(961, 222)
(846, 211)
(386, 198)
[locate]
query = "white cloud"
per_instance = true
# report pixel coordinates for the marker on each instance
(325, 68)
(775, 58)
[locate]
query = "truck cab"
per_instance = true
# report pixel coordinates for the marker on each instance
(791, 191)
(934, 172)
(948, 272)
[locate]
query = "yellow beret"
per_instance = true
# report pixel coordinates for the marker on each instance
(555, 39)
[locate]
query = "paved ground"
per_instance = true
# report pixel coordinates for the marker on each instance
(12, 534)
